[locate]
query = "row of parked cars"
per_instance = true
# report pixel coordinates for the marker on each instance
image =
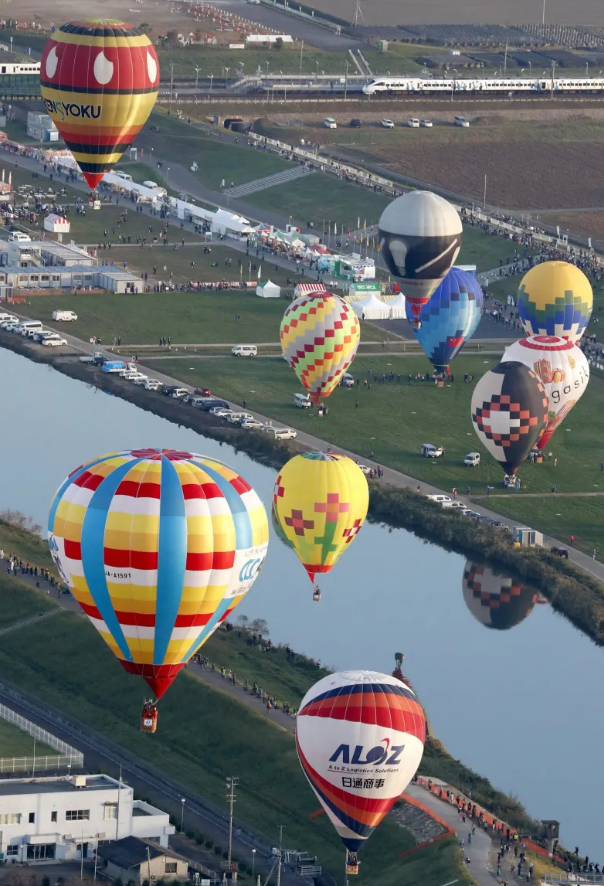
(31, 329)
(447, 503)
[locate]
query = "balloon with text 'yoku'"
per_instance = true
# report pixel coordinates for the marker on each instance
(449, 318)
(320, 334)
(562, 367)
(158, 547)
(320, 502)
(420, 237)
(360, 738)
(496, 601)
(509, 412)
(99, 79)
(555, 298)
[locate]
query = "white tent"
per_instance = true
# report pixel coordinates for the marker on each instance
(56, 224)
(268, 290)
(371, 308)
(397, 307)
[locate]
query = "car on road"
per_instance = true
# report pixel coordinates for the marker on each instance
(153, 384)
(202, 392)
(355, 123)
(468, 512)
(364, 468)
(219, 410)
(559, 552)
(168, 389)
(280, 433)
(347, 380)
(235, 418)
(12, 321)
(330, 123)
(454, 505)
(141, 380)
(430, 451)
(54, 341)
(12, 327)
(413, 122)
(427, 123)
(461, 121)
(251, 424)
(210, 403)
(438, 498)
(180, 393)
(387, 123)
(244, 350)
(38, 336)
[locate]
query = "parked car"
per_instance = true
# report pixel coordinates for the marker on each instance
(220, 411)
(202, 392)
(468, 512)
(235, 418)
(387, 123)
(180, 393)
(141, 380)
(67, 316)
(347, 380)
(454, 505)
(559, 552)
(472, 459)
(426, 123)
(44, 333)
(302, 401)
(251, 424)
(355, 123)
(281, 433)
(364, 469)
(461, 121)
(53, 342)
(413, 122)
(153, 384)
(168, 390)
(439, 499)
(244, 350)
(330, 123)
(210, 403)
(430, 451)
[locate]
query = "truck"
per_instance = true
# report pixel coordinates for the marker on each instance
(114, 366)
(67, 316)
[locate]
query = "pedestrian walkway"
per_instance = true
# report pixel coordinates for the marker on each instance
(269, 181)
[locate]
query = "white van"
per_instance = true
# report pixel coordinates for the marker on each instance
(413, 122)
(461, 121)
(124, 175)
(330, 123)
(8, 318)
(19, 237)
(29, 326)
(149, 184)
(347, 380)
(430, 451)
(245, 351)
(472, 459)
(68, 316)
(302, 401)
(440, 499)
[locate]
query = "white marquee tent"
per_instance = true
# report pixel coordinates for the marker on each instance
(371, 308)
(268, 290)
(397, 307)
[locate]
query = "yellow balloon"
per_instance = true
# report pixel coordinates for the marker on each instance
(320, 500)
(555, 298)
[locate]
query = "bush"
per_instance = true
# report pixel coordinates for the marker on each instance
(190, 835)
(218, 850)
(199, 839)
(225, 855)
(209, 844)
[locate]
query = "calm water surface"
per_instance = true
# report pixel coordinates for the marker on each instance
(522, 706)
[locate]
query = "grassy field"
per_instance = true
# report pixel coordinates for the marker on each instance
(393, 420)
(199, 748)
(16, 743)
(187, 317)
(19, 601)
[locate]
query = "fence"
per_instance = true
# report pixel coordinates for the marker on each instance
(67, 756)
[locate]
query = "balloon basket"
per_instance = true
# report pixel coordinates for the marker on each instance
(416, 324)
(316, 594)
(149, 717)
(352, 864)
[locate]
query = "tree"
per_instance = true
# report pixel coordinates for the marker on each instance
(243, 621)
(260, 626)
(279, 43)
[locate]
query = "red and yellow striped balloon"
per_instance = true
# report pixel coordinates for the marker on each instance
(99, 80)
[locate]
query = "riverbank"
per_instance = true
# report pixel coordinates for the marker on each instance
(572, 592)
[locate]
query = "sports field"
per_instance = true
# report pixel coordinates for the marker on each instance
(16, 743)
(393, 419)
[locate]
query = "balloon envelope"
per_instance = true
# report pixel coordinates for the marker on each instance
(509, 412)
(157, 547)
(496, 601)
(450, 318)
(99, 80)
(320, 334)
(420, 238)
(555, 298)
(360, 738)
(320, 500)
(562, 367)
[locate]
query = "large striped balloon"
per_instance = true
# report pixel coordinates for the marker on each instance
(320, 334)
(360, 738)
(157, 547)
(99, 80)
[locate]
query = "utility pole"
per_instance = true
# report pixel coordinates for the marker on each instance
(346, 81)
(171, 83)
(280, 853)
(484, 198)
(232, 783)
(82, 857)
(301, 51)
(505, 61)
(33, 768)
(543, 18)
(197, 70)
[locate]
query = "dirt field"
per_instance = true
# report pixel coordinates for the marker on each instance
(393, 12)
(156, 12)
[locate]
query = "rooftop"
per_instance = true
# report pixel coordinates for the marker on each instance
(13, 786)
(130, 852)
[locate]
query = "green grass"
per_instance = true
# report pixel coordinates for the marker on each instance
(393, 420)
(28, 546)
(199, 748)
(19, 601)
(16, 743)
(187, 317)
(484, 251)
(217, 160)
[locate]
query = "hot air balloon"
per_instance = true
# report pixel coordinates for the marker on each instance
(509, 412)
(555, 298)
(360, 738)
(420, 238)
(449, 318)
(279, 529)
(496, 601)
(320, 500)
(158, 547)
(562, 367)
(99, 80)
(320, 335)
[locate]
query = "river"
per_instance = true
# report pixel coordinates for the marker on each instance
(521, 706)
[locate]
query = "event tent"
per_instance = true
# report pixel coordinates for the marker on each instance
(371, 308)
(397, 307)
(56, 224)
(268, 290)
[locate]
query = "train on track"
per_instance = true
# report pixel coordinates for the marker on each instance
(517, 86)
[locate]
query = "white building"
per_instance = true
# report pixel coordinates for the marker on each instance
(70, 277)
(41, 127)
(64, 818)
